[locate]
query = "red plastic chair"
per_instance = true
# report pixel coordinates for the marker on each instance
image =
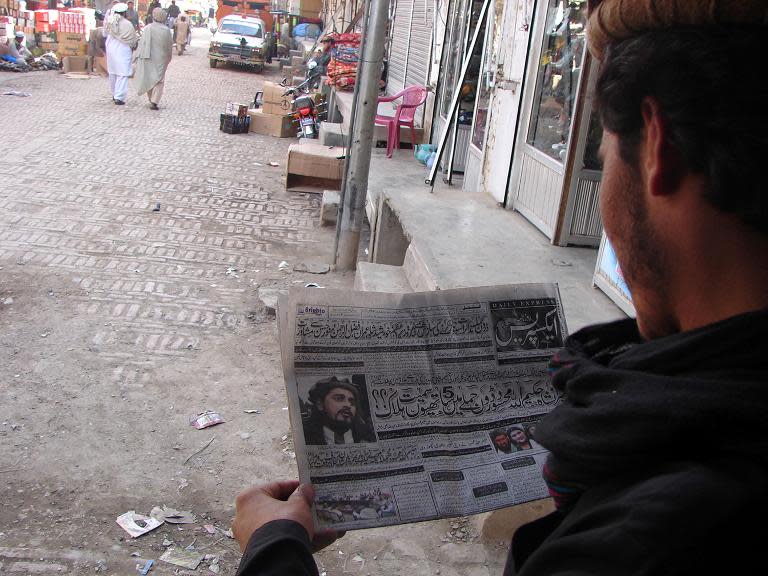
(413, 97)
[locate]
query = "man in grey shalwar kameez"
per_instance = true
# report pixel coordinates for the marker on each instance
(153, 56)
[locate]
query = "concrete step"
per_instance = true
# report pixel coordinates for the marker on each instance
(416, 270)
(332, 134)
(335, 134)
(329, 208)
(381, 278)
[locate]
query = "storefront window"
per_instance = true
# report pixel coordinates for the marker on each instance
(454, 49)
(558, 77)
(484, 80)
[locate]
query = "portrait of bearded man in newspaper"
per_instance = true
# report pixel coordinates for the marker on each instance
(335, 410)
(521, 325)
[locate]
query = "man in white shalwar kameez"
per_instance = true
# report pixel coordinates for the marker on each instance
(153, 56)
(121, 40)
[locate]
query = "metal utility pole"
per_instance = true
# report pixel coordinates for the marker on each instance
(355, 187)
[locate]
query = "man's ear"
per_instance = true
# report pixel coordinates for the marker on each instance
(661, 161)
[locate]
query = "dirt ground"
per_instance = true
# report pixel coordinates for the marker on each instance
(119, 323)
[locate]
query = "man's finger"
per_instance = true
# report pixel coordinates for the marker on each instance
(306, 493)
(281, 489)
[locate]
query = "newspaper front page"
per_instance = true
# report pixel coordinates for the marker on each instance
(411, 407)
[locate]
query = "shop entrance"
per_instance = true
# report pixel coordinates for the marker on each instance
(555, 180)
(463, 16)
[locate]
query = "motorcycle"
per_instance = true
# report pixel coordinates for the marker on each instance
(314, 73)
(307, 114)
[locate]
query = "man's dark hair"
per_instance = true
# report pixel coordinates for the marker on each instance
(322, 387)
(712, 94)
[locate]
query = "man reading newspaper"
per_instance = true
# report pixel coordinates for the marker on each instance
(659, 452)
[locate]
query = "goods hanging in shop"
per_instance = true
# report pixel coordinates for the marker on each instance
(342, 69)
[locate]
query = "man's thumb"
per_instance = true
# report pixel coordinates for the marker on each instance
(304, 492)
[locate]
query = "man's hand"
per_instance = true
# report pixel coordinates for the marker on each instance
(282, 500)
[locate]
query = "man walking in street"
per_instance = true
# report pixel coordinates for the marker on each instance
(640, 484)
(152, 58)
(154, 4)
(181, 33)
(97, 46)
(132, 16)
(173, 13)
(121, 40)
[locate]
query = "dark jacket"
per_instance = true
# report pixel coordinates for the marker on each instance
(314, 436)
(658, 457)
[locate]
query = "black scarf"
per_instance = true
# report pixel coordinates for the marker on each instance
(701, 394)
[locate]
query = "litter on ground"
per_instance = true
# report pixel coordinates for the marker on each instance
(137, 524)
(206, 419)
(184, 558)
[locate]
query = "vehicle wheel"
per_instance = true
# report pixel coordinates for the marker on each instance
(258, 69)
(212, 62)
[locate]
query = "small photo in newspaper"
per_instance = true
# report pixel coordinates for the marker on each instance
(412, 407)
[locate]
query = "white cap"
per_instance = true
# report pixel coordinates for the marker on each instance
(120, 7)
(19, 34)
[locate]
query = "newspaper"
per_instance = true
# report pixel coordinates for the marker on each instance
(411, 407)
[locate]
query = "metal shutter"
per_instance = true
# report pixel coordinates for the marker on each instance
(420, 50)
(398, 51)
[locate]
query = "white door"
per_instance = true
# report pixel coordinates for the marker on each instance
(581, 223)
(507, 96)
(550, 102)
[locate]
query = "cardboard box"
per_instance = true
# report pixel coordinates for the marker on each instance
(75, 64)
(280, 126)
(313, 167)
(71, 44)
(99, 66)
(274, 101)
(71, 50)
(235, 109)
(305, 8)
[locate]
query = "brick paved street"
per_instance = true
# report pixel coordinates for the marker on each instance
(117, 323)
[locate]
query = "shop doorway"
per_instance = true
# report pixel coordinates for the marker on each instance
(463, 16)
(554, 182)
